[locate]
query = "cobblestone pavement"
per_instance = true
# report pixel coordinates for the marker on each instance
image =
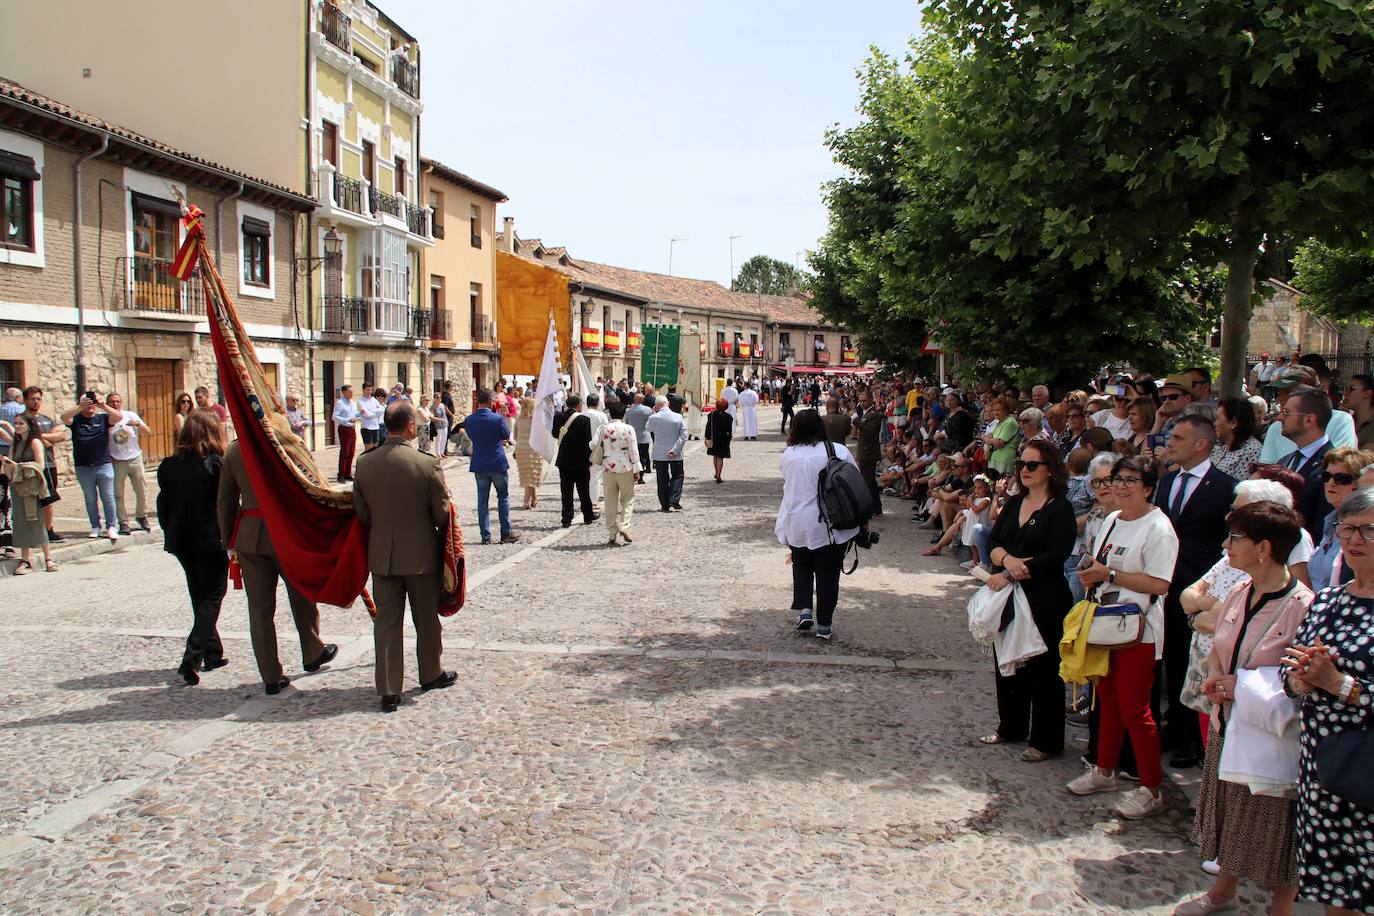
(633, 729)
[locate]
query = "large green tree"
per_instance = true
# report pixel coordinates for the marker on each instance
(1339, 282)
(903, 257)
(762, 274)
(1139, 136)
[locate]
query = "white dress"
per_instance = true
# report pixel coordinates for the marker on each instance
(749, 407)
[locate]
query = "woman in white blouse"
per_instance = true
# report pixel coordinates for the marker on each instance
(618, 445)
(817, 550)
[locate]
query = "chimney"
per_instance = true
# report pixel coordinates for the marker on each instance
(508, 233)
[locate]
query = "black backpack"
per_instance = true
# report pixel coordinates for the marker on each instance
(844, 499)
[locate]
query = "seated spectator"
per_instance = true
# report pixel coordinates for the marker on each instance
(1032, 425)
(945, 498)
(1238, 447)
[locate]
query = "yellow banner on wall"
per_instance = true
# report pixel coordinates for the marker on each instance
(526, 291)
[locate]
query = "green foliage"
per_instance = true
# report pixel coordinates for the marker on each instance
(762, 274)
(1044, 181)
(1339, 282)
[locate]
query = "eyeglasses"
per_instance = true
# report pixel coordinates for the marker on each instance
(1237, 536)
(1344, 480)
(1126, 481)
(1294, 413)
(1031, 466)
(1172, 397)
(1100, 483)
(1346, 532)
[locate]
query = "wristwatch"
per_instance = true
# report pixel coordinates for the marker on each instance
(1111, 577)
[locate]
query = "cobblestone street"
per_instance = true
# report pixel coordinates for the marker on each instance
(633, 729)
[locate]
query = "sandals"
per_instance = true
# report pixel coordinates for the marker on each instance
(24, 568)
(1034, 755)
(50, 566)
(931, 552)
(992, 739)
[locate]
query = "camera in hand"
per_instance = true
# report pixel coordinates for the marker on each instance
(90, 396)
(866, 538)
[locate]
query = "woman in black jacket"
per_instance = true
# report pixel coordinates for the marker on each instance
(188, 484)
(1032, 538)
(719, 429)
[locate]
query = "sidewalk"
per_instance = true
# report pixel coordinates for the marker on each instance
(69, 518)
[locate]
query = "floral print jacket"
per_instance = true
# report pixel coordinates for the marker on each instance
(619, 447)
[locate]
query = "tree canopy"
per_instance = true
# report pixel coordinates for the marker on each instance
(1044, 171)
(1339, 282)
(762, 274)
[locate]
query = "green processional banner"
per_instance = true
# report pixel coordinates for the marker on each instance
(660, 351)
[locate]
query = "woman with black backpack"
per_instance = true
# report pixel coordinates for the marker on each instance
(817, 548)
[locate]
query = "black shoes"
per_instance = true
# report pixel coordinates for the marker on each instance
(486, 542)
(278, 687)
(567, 524)
(510, 538)
(188, 674)
(210, 664)
(1185, 759)
(327, 656)
(143, 523)
(124, 529)
(54, 537)
(439, 683)
(390, 702)
(677, 508)
(595, 517)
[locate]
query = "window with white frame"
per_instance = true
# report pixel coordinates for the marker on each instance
(21, 200)
(256, 275)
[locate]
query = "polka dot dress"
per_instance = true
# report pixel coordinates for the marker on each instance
(1336, 837)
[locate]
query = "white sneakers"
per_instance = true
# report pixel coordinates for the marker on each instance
(1204, 906)
(95, 533)
(1138, 803)
(1093, 782)
(112, 533)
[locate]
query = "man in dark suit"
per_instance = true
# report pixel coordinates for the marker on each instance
(1197, 498)
(1305, 416)
(399, 491)
(868, 445)
(244, 534)
(574, 460)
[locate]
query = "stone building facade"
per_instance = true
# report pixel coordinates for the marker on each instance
(127, 325)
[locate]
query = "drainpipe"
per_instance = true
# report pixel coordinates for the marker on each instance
(219, 210)
(79, 278)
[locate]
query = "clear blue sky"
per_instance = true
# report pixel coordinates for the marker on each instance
(614, 126)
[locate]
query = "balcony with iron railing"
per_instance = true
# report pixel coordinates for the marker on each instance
(406, 76)
(417, 221)
(421, 323)
(437, 229)
(482, 332)
(344, 315)
(382, 202)
(441, 326)
(146, 286)
(348, 193)
(337, 27)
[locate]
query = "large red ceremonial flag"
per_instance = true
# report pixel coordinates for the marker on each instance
(320, 542)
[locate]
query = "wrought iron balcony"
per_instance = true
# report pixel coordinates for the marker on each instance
(383, 202)
(441, 325)
(417, 220)
(406, 76)
(147, 285)
(336, 26)
(348, 193)
(344, 315)
(438, 229)
(420, 323)
(481, 329)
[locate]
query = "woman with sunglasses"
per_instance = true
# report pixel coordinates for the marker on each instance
(1132, 562)
(1341, 468)
(1238, 444)
(1331, 665)
(1033, 535)
(181, 409)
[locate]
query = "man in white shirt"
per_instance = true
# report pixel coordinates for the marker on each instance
(370, 411)
(343, 416)
(1264, 374)
(1117, 420)
(749, 409)
(598, 419)
(127, 455)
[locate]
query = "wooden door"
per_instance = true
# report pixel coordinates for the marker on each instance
(155, 405)
(269, 372)
(331, 393)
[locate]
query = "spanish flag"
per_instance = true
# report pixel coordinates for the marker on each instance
(185, 261)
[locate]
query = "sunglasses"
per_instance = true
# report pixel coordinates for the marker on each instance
(1031, 466)
(1171, 397)
(1344, 480)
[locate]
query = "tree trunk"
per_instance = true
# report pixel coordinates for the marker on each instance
(1235, 320)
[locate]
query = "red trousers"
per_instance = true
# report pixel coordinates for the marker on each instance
(348, 443)
(1123, 698)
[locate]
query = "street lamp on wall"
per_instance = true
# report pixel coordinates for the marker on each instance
(333, 253)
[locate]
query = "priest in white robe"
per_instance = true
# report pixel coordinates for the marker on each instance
(731, 396)
(749, 412)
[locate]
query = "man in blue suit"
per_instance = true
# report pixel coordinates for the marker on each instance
(1305, 416)
(1197, 498)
